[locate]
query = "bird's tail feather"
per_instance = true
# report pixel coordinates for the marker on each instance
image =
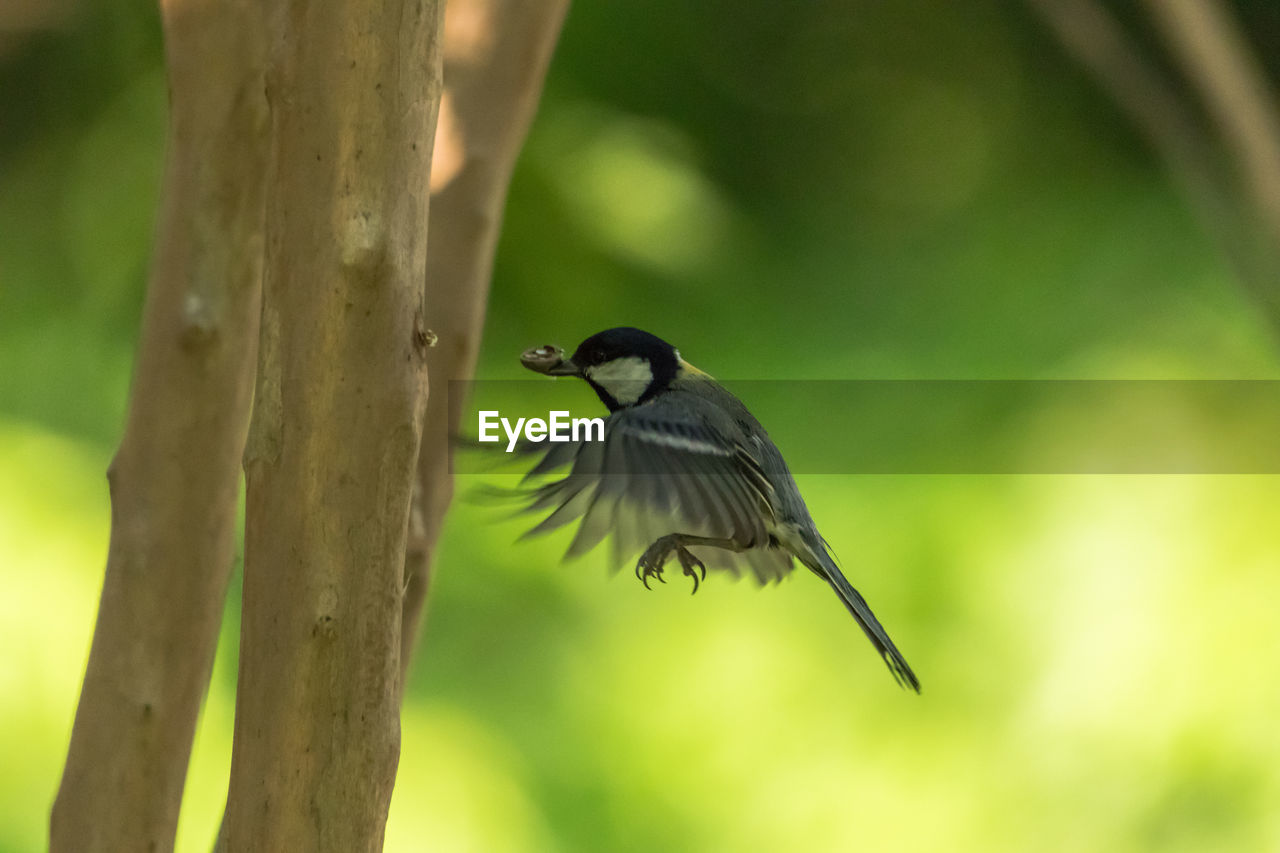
(871, 626)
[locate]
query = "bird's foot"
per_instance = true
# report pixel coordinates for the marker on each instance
(657, 554)
(692, 565)
(652, 560)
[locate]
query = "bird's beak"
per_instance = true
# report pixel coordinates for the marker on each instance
(566, 367)
(550, 361)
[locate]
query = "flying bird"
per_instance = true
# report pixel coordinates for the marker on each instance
(683, 470)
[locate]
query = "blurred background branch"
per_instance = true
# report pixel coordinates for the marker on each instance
(496, 54)
(1218, 59)
(18, 18)
(1239, 205)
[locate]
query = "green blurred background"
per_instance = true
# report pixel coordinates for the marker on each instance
(836, 189)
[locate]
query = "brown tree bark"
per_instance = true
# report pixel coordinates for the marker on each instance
(174, 478)
(496, 58)
(354, 90)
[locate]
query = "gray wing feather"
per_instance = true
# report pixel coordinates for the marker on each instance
(660, 469)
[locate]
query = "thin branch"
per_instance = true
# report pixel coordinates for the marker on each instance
(333, 444)
(1158, 111)
(174, 479)
(1099, 43)
(496, 57)
(1219, 62)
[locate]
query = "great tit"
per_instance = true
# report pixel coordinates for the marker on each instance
(683, 469)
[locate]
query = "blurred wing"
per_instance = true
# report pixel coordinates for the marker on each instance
(661, 469)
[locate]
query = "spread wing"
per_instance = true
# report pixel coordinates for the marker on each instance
(662, 468)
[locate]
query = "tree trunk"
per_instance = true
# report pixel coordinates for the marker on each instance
(174, 479)
(354, 90)
(496, 57)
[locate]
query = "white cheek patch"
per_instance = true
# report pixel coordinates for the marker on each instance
(626, 379)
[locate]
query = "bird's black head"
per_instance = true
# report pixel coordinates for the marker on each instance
(625, 366)
(622, 343)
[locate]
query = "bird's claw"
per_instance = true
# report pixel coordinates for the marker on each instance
(652, 560)
(692, 565)
(650, 566)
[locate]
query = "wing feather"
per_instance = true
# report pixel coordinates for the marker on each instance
(660, 469)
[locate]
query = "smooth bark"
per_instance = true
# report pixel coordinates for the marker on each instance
(496, 58)
(174, 478)
(354, 90)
